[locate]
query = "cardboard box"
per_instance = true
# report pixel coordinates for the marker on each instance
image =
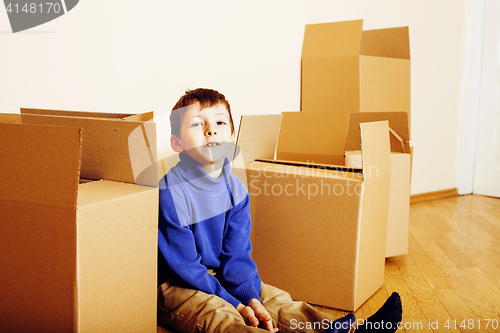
(76, 255)
(399, 199)
(319, 230)
(120, 147)
(346, 68)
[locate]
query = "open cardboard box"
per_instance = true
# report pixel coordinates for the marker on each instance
(399, 199)
(77, 255)
(319, 229)
(119, 147)
(346, 68)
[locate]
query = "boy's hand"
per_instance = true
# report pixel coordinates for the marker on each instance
(254, 313)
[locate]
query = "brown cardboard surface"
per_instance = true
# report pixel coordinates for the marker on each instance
(291, 169)
(37, 167)
(148, 116)
(117, 250)
(305, 244)
(68, 113)
(398, 122)
(384, 84)
(38, 259)
(298, 212)
(328, 85)
(345, 68)
(399, 199)
(345, 170)
(391, 43)
(127, 155)
(317, 137)
(376, 155)
(374, 212)
(399, 206)
(257, 137)
(13, 118)
(75, 258)
(343, 39)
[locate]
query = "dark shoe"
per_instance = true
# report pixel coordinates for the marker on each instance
(386, 319)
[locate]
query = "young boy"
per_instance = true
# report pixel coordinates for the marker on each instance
(207, 280)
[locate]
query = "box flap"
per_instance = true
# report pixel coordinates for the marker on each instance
(97, 192)
(392, 43)
(257, 137)
(147, 116)
(375, 149)
(40, 163)
(398, 124)
(316, 136)
(74, 113)
(13, 118)
(332, 39)
(112, 149)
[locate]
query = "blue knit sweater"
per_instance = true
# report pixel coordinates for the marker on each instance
(204, 222)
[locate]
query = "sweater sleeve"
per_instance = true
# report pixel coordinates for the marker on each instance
(239, 270)
(177, 244)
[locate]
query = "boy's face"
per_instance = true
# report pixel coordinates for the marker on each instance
(205, 135)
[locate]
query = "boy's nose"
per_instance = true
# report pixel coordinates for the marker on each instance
(210, 132)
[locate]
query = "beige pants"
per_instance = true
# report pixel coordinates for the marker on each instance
(187, 310)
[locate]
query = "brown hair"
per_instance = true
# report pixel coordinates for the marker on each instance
(206, 97)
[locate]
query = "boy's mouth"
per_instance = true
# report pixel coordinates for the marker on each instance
(212, 144)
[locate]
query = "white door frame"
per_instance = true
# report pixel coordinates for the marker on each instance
(471, 86)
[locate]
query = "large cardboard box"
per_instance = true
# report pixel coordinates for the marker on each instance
(319, 229)
(346, 68)
(77, 255)
(399, 199)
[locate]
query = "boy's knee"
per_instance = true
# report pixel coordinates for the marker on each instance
(269, 292)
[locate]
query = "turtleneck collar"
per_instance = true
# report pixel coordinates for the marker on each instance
(191, 171)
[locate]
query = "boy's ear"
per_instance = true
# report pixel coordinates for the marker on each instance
(176, 144)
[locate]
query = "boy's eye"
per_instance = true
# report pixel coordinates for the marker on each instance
(220, 122)
(196, 124)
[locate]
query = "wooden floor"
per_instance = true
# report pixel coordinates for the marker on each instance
(452, 272)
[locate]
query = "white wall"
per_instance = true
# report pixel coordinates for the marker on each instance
(137, 56)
